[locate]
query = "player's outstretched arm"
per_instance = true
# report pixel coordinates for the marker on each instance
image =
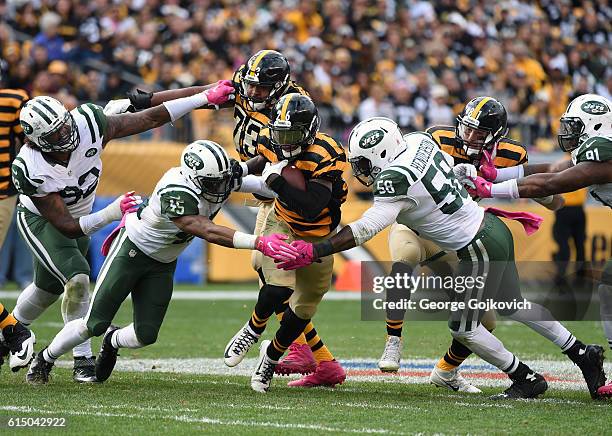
(126, 124)
(53, 208)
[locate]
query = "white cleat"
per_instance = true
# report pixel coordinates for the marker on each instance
(20, 340)
(240, 344)
(452, 380)
(264, 370)
(392, 355)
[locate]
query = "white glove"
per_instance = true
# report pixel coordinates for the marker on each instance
(273, 168)
(463, 173)
(116, 107)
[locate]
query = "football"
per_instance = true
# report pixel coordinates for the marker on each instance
(294, 177)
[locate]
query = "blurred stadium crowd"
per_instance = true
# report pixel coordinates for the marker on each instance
(414, 61)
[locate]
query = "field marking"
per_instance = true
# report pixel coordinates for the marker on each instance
(196, 420)
(219, 295)
(562, 375)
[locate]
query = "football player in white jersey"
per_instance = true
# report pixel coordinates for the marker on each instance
(585, 131)
(414, 185)
(142, 257)
(57, 173)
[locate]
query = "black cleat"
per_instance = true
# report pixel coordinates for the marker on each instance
(107, 358)
(590, 361)
(20, 340)
(39, 371)
(84, 370)
(529, 386)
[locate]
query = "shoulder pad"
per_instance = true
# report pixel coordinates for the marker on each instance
(392, 184)
(594, 149)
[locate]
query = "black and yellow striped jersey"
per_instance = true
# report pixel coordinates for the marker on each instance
(11, 102)
(249, 122)
(509, 153)
(324, 159)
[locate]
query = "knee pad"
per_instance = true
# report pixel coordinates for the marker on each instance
(489, 320)
(272, 298)
(305, 310)
(146, 333)
(77, 288)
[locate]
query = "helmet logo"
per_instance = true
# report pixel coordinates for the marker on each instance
(594, 107)
(371, 138)
(26, 127)
(193, 161)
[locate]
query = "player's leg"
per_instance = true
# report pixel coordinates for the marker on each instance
(63, 259)
(115, 280)
(7, 207)
(406, 250)
(487, 257)
(18, 341)
(605, 308)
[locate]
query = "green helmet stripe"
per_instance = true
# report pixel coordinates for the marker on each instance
(41, 113)
(46, 106)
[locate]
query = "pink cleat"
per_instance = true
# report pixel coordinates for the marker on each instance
(299, 360)
(605, 391)
(329, 373)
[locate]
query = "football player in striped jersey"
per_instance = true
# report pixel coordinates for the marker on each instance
(585, 131)
(57, 174)
(259, 84)
(293, 136)
(415, 184)
(143, 253)
(479, 134)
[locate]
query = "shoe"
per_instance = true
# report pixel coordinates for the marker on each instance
(605, 391)
(328, 373)
(528, 386)
(452, 380)
(392, 355)
(590, 362)
(239, 345)
(20, 341)
(107, 358)
(84, 370)
(299, 360)
(39, 371)
(264, 370)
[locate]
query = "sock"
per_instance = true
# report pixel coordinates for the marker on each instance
(6, 319)
(269, 299)
(395, 317)
(257, 324)
(301, 339)
(605, 310)
(552, 330)
(488, 347)
(75, 303)
(289, 330)
(32, 302)
(319, 350)
(394, 328)
(454, 357)
(74, 333)
(126, 338)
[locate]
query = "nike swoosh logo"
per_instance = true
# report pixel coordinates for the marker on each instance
(454, 388)
(22, 355)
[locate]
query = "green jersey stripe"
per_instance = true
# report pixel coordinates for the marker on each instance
(89, 123)
(99, 117)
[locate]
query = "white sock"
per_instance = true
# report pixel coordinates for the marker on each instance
(488, 348)
(74, 332)
(75, 304)
(605, 310)
(552, 330)
(126, 338)
(31, 303)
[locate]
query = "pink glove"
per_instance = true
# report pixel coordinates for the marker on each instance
(130, 202)
(220, 93)
(481, 188)
(305, 256)
(274, 246)
(487, 169)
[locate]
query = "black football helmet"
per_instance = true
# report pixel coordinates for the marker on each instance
(480, 125)
(293, 125)
(265, 69)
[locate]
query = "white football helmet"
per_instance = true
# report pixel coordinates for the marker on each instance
(586, 116)
(373, 145)
(48, 125)
(207, 165)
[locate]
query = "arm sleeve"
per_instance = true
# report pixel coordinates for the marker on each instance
(376, 218)
(309, 203)
(255, 185)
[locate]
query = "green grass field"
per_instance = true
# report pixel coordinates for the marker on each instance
(167, 399)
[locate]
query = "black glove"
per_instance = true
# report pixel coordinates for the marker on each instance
(236, 170)
(140, 99)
